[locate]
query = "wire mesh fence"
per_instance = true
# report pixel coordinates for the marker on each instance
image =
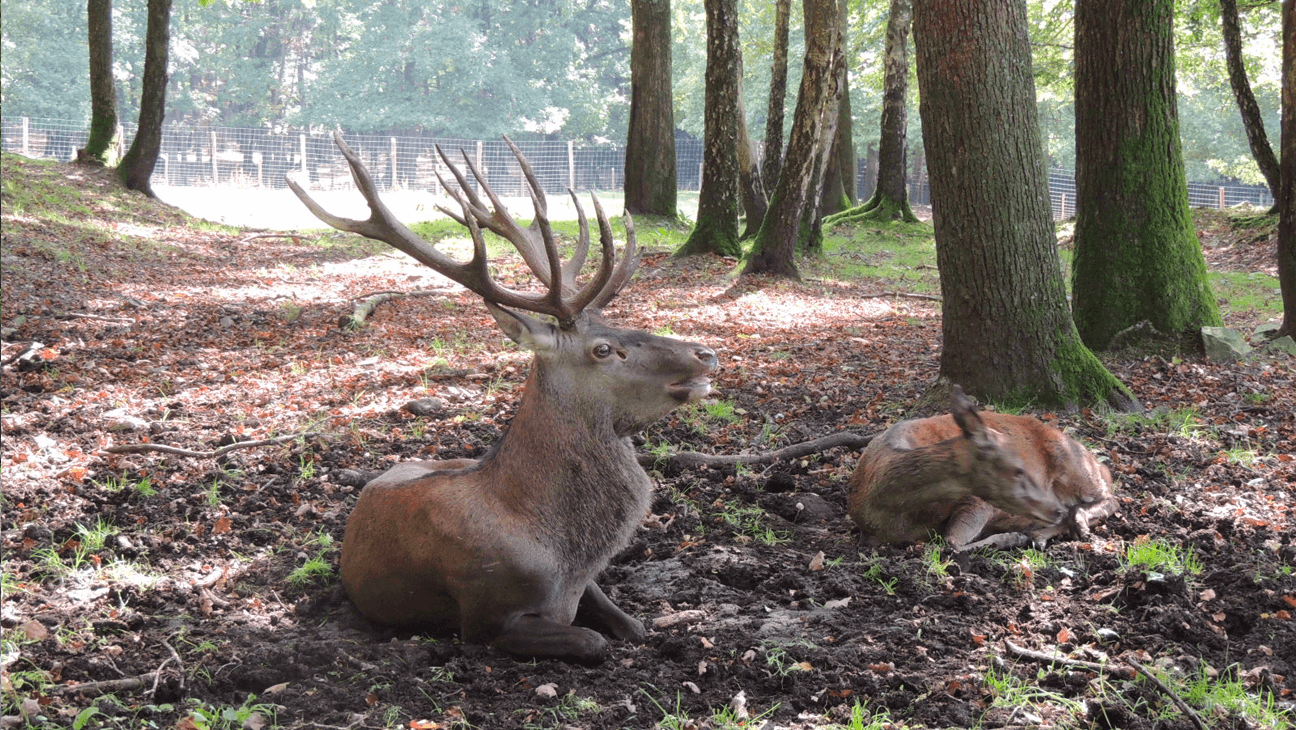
(208, 156)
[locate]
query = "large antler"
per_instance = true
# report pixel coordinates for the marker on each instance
(535, 243)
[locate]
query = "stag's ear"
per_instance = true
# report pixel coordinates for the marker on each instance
(525, 330)
(965, 415)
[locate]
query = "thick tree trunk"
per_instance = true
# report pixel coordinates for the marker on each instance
(717, 222)
(774, 250)
(1136, 252)
(773, 155)
(102, 148)
(1251, 119)
(1008, 336)
(1286, 197)
(650, 186)
(137, 164)
(890, 198)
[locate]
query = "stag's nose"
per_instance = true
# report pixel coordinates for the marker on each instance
(706, 356)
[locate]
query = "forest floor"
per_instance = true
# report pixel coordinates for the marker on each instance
(160, 590)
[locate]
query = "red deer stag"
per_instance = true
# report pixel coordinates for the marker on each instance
(504, 548)
(968, 475)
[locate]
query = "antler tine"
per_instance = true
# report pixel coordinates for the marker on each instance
(593, 290)
(577, 261)
(630, 257)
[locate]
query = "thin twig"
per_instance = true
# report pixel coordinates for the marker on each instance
(31, 347)
(107, 686)
(97, 317)
(1175, 698)
(162, 448)
(1066, 661)
(909, 295)
(848, 439)
(296, 237)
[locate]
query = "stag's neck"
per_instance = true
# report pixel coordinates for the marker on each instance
(564, 465)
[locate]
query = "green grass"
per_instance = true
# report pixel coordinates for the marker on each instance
(1247, 292)
(1160, 556)
(901, 254)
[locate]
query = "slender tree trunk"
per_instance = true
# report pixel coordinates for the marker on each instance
(137, 164)
(102, 148)
(1008, 336)
(773, 157)
(1251, 119)
(751, 187)
(717, 222)
(890, 198)
(1286, 197)
(810, 240)
(839, 176)
(1136, 252)
(650, 186)
(774, 250)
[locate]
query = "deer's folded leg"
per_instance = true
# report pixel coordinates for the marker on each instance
(535, 637)
(617, 622)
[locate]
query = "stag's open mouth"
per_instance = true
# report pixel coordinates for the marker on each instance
(690, 388)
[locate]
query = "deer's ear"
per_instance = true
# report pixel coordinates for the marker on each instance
(965, 415)
(525, 330)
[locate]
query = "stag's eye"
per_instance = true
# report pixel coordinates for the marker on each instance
(602, 351)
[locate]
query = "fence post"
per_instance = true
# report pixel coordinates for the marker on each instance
(1064, 215)
(1221, 198)
(305, 166)
(26, 145)
(479, 160)
(571, 164)
(393, 146)
(215, 169)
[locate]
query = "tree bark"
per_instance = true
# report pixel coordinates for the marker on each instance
(890, 199)
(1286, 197)
(1251, 119)
(774, 250)
(773, 154)
(650, 185)
(1008, 336)
(137, 164)
(1136, 252)
(751, 188)
(102, 148)
(716, 230)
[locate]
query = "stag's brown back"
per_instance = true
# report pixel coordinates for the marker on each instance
(972, 474)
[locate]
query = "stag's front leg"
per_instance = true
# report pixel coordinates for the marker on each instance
(597, 606)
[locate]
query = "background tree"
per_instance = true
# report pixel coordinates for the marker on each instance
(774, 249)
(102, 146)
(772, 157)
(1286, 198)
(890, 199)
(650, 185)
(826, 167)
(1136, 252)
(839, 174)
(1252, 120)
(1007, 333)
(716, 230)
(137, 164)
(751, 188)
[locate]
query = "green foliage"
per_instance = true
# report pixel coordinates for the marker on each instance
(1160, 556)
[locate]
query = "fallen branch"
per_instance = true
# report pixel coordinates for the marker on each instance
(108, 686)
(1175, 698)
(176, 450)
(929, 297)
(848, 439)
(1040, 656)
(365, 308)
(26, 352)
(296, 237)
(96, 317)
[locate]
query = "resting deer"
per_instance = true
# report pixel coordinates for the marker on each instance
(967, 475)
(504, 548)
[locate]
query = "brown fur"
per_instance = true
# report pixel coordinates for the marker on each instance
(503, 549)
(968, 475)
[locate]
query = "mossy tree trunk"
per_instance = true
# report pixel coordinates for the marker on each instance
(890, 200)
(839, 174)
(1008, 335)
(775, 246)
(751, 188)
(102, 146)
(772, 158)
(1136, 252)
(1286, 198)
(1252, 121)
(717, 221)
(650, 184)
(137, 164)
